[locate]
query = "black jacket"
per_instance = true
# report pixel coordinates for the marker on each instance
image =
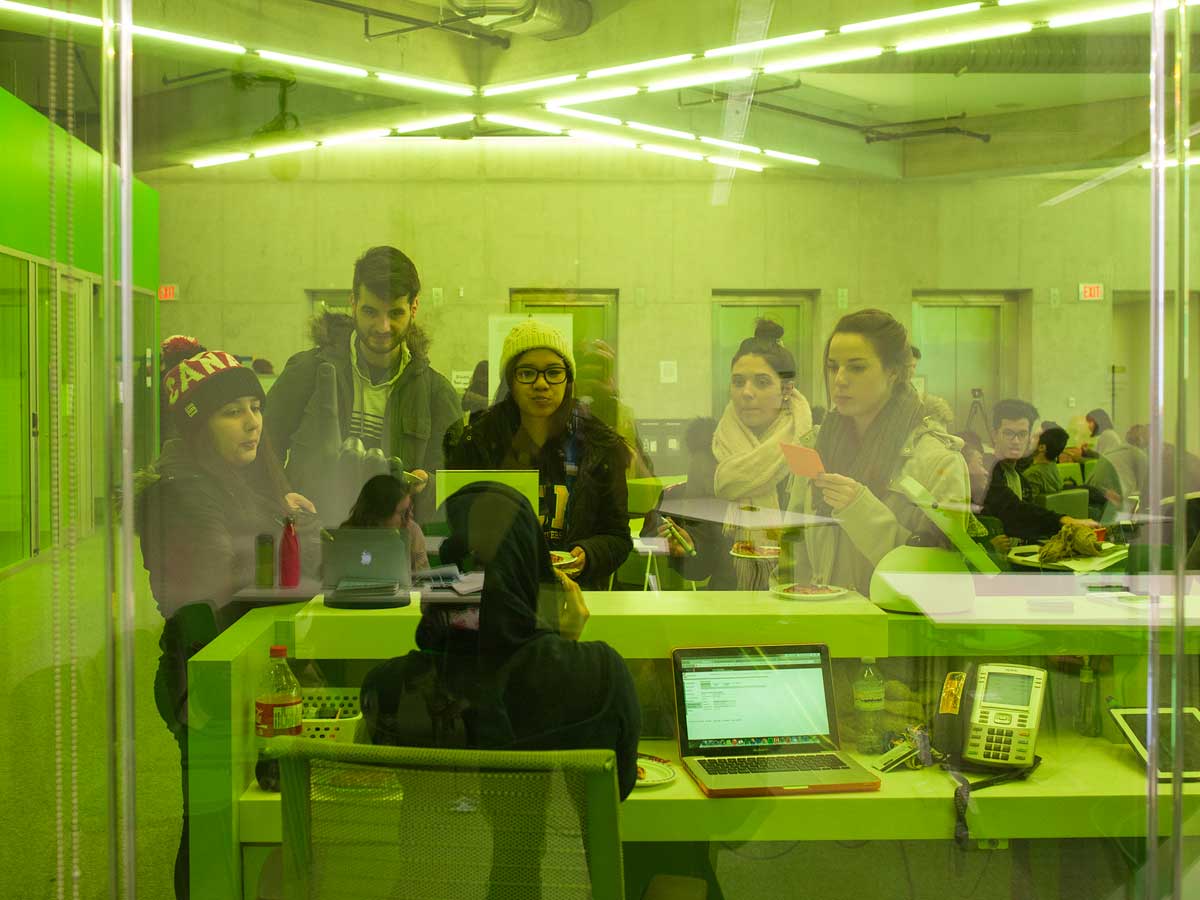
(597, 512)
(514, 683)
(421, 409)
(1020, 519)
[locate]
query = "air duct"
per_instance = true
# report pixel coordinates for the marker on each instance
(546, 19)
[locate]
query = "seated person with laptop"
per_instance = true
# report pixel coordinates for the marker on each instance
(387, 502)
(508, 672)
(1012, 423)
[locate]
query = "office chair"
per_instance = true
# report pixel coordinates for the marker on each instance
(363, 822)
(1072, 503)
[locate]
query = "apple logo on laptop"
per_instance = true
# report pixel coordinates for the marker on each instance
(366, 558)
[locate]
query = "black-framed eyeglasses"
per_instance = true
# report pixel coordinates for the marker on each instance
(552, 374)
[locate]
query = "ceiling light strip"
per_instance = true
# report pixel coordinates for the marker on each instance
(658, 129)
(281, 149)
(792, 157)
(355, 137)
(642, 66)
(220, 160)
(497, 90)
(964, 37)
(730, 145)
(321, 65)
(59, 15)
(423, 84)
(663, 150)
(1104, 14)
(583, 114)
(526, 124)
(766, 44)
(675, 84)
(924, 15)
(734, 163)
(187, 39)
(595, 96)
(823, 59)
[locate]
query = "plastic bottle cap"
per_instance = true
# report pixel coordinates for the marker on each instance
(278, 650)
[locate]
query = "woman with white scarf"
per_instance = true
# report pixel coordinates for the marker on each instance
(764, 411)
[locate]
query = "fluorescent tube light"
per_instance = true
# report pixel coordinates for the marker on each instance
(734, 163)
(1171, 163)
(766, 44)
(173, 37)
(642, 66)
(581, 114)
(672, 151)
(665, 132)
(219, 160)
(421, 84)
(527, 124)
(694, 80)
(45, 13)
(281, 149)
(822, 59)
(596, 137)
(1013, 2)
(305, 63)
(595, 96)
(496, 90)
(792, 157)
(1103, 14)
(908, 18)
(730, 145)
(355, 137)
(964, 37)
(439, 122)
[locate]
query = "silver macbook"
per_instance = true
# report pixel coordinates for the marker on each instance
(365, 568)
(761, 721)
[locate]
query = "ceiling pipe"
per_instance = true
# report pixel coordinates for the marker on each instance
(549, 20)
(458, 26)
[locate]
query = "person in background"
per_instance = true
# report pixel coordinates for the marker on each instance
(475, 397)
(199, 509)
(580, 461)
(596, 388)
(752, 476)
(171, 353)
(1012, 424)
(1042, 475)
(997, 542)
(368, 379)
(882, 454)
(386, 502)
(935, 407)
(510, 673)
(1100, 427)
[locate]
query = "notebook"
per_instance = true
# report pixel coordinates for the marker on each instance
(365, 568)
(757, 721)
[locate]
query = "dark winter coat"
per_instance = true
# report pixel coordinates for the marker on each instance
(597, 512)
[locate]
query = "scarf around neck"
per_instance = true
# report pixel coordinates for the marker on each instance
(750, 468)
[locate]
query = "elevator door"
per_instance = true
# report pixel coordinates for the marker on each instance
(962, 351)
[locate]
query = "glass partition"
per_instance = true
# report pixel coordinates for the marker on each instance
(795, 401)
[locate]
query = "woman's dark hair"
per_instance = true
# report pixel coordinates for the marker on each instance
(765, 343)
(376, 502)
(1102, 420)
(264, 476)
(886, 335)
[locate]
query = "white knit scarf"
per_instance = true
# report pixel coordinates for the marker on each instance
(748, 467)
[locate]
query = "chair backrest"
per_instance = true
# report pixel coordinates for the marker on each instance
(363, 822)
(1072, 473)
(1068, 503)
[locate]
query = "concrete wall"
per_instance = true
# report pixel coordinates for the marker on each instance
(244, 244)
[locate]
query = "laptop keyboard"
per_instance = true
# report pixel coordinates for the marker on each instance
(752, 765)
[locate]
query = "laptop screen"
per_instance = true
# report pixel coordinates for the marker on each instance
(739, 700)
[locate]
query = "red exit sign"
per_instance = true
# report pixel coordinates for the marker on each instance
(1091, 292)
(168, 292)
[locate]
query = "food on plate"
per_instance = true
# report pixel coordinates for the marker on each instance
(811, 590)
(560, 558)
(749, 548)
(641, 773)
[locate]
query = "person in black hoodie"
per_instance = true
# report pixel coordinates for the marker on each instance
(581, 461)
(199, 508)
(510, 675)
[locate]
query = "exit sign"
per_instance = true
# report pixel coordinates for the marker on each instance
(1093, 293)
(168, 292)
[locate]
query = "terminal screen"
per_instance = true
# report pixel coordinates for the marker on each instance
(755, 701)
(1008, 690)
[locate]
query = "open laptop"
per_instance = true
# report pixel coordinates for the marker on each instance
(365, 568)
(759, 721)
(523, 481)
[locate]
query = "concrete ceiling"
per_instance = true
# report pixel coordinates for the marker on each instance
(1077, 97)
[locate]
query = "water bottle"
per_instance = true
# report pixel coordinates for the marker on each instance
(868, 707)
(278, 708)
(1087, 712)
(289, 554)
(264, 561)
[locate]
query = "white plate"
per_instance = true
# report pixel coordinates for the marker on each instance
(772, 555)
(658, 771)
(560, 558)
(834, 592)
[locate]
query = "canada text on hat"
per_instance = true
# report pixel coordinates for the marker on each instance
(194, 370)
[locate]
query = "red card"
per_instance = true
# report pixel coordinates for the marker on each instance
(803, 461)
